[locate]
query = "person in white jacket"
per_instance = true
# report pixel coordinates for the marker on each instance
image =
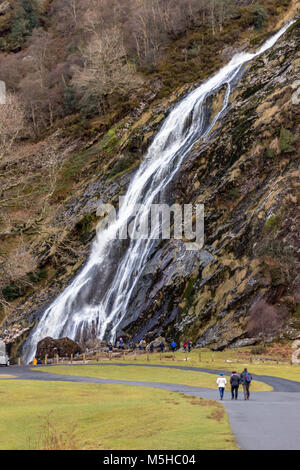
(221, 381)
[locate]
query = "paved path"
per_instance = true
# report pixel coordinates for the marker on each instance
(269, 420)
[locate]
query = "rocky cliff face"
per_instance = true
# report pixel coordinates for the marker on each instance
(247, 176)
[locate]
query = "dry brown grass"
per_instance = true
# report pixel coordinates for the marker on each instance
(50, 437)
(217, 414)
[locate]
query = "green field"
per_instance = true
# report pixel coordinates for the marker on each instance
(147, 374)
(228, 360)
(51, 415)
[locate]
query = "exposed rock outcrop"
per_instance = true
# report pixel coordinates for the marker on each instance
(247, 176)
(64, 347)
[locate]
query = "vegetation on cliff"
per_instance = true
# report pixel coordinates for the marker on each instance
(90, 88)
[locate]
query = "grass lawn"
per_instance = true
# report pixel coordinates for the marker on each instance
(218, 360)
(147, 374)
(286, 371)
(51, 415)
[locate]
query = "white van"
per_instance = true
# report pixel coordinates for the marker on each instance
(4, 359)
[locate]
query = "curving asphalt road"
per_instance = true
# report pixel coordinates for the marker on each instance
(268, 421)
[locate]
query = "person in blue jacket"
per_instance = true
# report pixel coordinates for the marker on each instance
(173, 346)
(246, 379)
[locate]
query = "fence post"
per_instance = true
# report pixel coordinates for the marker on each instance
(71, 358)
(84, 358)
(57, 359)
(46, 359)
(19, 361)
(199, 356)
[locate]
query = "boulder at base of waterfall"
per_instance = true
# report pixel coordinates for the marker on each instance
(64, 347)
(296, 344)
(95, 344)
(157, 342)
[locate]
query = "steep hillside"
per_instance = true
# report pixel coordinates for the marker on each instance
(246, 174)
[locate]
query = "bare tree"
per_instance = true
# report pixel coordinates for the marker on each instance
(15, 267)
(12, 122)
(35, 86)
(106, 70)
(22, 262)
(264, 319)
(223, 12)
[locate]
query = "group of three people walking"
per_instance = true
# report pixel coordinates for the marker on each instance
(236, 379)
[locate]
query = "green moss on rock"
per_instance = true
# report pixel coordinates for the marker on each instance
(85, 224)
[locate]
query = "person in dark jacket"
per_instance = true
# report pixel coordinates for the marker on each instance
(235, 381)
(246, 379)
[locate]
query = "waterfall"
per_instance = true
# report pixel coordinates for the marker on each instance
(96, 300)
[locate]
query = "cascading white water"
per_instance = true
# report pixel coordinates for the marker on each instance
(98, 297)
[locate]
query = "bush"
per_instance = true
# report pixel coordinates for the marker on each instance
(272, 223)
(270, 153)
(37, 276)
(22, 286)
(193, 51)
(286, 141)
(14, 290)
(234, 193)
(121, 166)
(296, 312)
(70, 100)
(24, 23)
(86, 224)
(258, 350)
(260, 17)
